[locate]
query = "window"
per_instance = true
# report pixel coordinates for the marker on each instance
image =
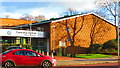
(19, 53)
(25, 53)
(6, 52)
(29, 53)
(40, 29)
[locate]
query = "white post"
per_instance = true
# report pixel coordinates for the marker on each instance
(52, 55)
(42, 52)
(36, 50)
(47, 53)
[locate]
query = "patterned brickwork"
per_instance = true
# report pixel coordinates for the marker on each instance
(94, 29)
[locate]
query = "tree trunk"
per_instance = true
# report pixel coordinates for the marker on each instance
(91, 42)
(73, 49)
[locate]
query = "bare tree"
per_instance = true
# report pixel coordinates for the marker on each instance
(27, 17)
(109, 7)
(71, 28)
(98, 29)
(69, 11)
(7, 16)
(38, 18)
(33, 18)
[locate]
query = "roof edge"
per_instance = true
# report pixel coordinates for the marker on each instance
(84, 15)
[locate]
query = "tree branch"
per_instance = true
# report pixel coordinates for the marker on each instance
(81, 25)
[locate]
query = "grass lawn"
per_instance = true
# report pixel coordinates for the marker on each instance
(92, 56)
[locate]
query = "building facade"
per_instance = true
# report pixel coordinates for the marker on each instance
(21, 32)
(66, 34)
(73, 34)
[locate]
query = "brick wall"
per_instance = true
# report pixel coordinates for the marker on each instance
(94, 29)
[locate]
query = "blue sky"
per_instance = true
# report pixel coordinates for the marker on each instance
(49, 9)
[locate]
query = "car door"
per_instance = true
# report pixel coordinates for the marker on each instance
(32, 58)
(19, 58)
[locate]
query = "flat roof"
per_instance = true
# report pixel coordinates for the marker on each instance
(14, 22)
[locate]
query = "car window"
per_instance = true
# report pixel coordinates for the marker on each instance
(30, 53)
(6, 52)
(19, 53)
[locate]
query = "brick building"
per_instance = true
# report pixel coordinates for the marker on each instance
(83, 30)
(72, 33)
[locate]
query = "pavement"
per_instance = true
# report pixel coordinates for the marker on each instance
(62, 61)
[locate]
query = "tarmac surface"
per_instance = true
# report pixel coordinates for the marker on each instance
(106, 65)
(65, 61)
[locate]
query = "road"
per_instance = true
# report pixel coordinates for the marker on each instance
(106, 65)
(85, 61)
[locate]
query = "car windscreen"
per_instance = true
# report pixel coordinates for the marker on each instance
(6, 52)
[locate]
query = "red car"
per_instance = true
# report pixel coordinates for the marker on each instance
(26, 57)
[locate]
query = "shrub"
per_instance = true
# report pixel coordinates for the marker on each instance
(94, 48)
(110, 46)
(27, 46)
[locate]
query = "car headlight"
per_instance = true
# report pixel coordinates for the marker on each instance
(53, 60)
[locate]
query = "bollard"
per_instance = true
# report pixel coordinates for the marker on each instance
(52, 55)
(47, 53)
(37, 51)
(42, 52)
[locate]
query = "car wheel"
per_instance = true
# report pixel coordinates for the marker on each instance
(9, 64)
(46, 64)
